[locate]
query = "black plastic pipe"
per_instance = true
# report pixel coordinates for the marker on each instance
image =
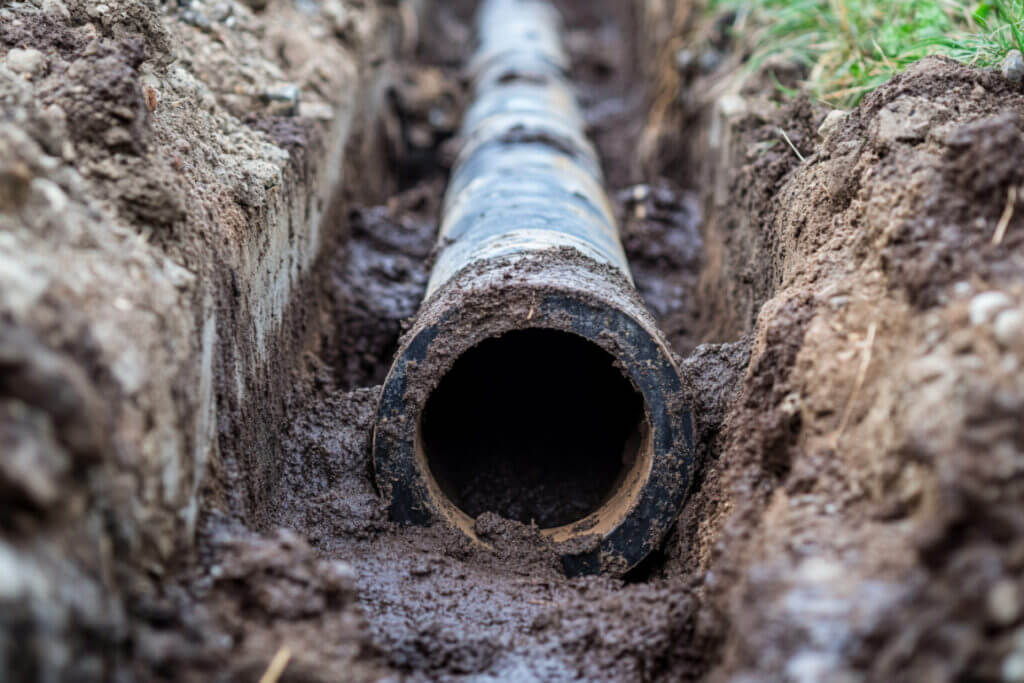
(534, 383)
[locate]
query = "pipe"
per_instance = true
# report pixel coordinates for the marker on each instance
(533, 383)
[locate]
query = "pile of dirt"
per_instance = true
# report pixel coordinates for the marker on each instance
(165, 170)
(861, 515)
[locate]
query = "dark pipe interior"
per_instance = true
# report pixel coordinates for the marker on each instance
(535, 425)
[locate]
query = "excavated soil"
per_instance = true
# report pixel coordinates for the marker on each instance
(848, 316)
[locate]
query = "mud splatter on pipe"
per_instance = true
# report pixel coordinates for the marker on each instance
(534, 383)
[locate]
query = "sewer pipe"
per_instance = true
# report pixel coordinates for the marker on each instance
(531, 318)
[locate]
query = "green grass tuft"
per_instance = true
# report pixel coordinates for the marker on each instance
(852, 47)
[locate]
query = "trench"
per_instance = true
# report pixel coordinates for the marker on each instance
(436, 607)
(201, 503)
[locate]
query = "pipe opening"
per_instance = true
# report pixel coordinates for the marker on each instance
(537, 426)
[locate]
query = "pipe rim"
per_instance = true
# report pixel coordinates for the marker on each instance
(639, 522)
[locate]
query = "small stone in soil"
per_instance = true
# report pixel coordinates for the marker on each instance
(196, 18)
(1004, 603)
(1009, 327)
(985, 305)
(288, 94)
(831, 122)
(684, 59)
(1013, 67)
(27, 61)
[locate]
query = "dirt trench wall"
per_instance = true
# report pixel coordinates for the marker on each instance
(167, 178)
(860, 516)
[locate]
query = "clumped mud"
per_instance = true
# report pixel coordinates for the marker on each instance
(659, 229)
(377, 281)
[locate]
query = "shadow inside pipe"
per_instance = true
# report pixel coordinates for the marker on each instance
(537, 426)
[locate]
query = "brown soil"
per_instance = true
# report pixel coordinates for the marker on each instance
(861, 512)
(438, 606)
(849, 327)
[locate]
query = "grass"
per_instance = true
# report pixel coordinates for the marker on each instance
(850, 48)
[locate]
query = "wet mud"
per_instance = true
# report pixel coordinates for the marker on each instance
(437, 606)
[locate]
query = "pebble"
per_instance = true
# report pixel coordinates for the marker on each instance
(685, 59)
(710, 59)
(1008, 327)
(639, 193)
(1013, 67)
(221, 11)
(732, 105)
(820, 570)
(18, 576)
(1004, 603)
(179, 276)
(342, 570)
(839, 301)
(49, 195)
(985, 305)
(1013, 668)
(1009, 364)
(27, 61)
(196, 18)
(831, 122)
(56, 7)
(790, 405)
(286, 93)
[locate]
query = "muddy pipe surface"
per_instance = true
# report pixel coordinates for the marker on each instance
(533, 384)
